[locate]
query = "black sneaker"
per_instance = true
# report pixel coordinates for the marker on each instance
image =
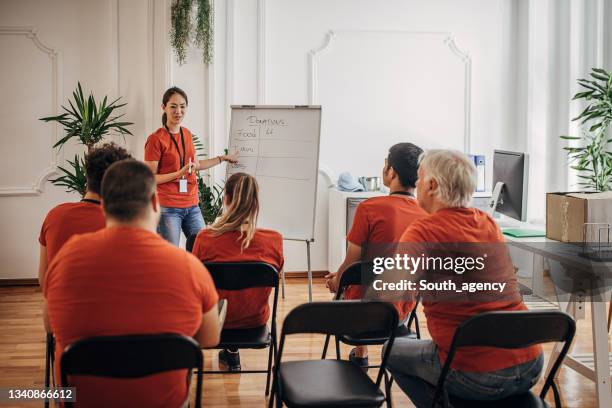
(360, 361)
(230, 359)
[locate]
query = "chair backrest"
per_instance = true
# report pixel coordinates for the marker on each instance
(242, 275)
(350, 317)
(131, 356)
(353, 275)
(517, 329)
(511, 330)
(190, 241)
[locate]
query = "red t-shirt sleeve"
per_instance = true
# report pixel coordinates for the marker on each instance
(205, 287)
(153, 148)
(360, 228)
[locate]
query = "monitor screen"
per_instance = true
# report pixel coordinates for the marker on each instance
(510, 168)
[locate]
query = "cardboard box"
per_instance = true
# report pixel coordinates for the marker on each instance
(566, 214)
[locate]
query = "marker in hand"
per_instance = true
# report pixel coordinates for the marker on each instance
(190, 164)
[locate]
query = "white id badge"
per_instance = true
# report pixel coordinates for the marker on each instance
(182, 185)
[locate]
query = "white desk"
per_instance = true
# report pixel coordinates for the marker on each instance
(596, 365)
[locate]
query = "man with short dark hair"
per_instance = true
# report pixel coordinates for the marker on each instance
(68, 219)
(126, 279)
(379, 223)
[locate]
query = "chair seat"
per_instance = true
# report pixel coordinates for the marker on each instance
(527, 400)
(368, 339)
(254, 338)
(327, 383)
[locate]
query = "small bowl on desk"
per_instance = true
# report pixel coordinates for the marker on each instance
(370, 183)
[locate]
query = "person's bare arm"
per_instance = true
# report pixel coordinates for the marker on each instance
(208, 163)
(353, 254)
(165, 178)
(208, 335)
(42, 267)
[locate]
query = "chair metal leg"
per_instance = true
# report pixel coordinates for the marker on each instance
(47, 365)
(270, 352)
(325, 346)
(338, 357)
(388, 384)
(272, 393)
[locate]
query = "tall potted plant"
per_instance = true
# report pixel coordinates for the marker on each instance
(88, 122)
(592, 159)
(211, 199)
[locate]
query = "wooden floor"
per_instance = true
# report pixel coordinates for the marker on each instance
(22, 353)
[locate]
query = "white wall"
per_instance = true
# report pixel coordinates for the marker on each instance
(438, 73)
(109, 47)
(491, 73)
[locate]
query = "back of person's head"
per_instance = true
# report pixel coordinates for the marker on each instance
(455, 174)
(404, 159)
(97, 162)
(242, 208)
(127, 189)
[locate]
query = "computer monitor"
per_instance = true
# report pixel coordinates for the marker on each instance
(509, 195)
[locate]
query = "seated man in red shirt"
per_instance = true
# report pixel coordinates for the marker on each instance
(126, 279)
(446, 182)
(379, 223)
(68, 219)
(234, 237)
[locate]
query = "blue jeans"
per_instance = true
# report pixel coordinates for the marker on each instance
(415, 365)
(173, 220)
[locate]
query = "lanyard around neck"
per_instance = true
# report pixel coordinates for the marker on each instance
(89, 200)
(182, 158)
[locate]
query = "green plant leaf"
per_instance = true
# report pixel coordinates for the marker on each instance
(599, 76)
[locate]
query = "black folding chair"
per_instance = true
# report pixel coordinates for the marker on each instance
(332, 383)
(510, 330)
(49, 360)
(353, 276)
(132, 356)
(239, 276)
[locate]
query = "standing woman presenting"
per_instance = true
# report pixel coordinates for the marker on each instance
(170, 154)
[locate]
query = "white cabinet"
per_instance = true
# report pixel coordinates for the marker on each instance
(342, 207)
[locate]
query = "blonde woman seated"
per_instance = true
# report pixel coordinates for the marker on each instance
(234, 237)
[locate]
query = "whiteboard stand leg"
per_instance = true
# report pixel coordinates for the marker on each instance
(283, 283)
(309, 272)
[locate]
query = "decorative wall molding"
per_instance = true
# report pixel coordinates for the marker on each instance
(445, 37)
(261, 52)
(115, 32)
(210, 105)
(229, 61)
(151, 58)
(55, 155)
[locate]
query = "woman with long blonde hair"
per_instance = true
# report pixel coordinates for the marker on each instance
(234, 237)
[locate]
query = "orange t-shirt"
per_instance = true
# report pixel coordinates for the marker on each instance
(381, 221)
(120, 281)
(160, 148)
(248, 307)
(466, 225)
(66, 220)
